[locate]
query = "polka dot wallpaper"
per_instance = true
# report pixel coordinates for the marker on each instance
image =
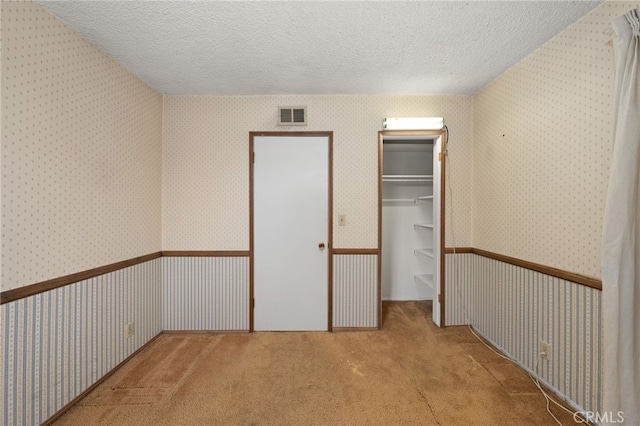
(81, 179)
(205, 173)
(81, 153)
(542, 149)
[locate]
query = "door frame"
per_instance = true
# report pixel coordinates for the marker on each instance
(443, 147)
(329, 136)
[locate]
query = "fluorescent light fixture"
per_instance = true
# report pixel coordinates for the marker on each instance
(413, 123)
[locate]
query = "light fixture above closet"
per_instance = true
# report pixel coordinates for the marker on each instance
(413, 123)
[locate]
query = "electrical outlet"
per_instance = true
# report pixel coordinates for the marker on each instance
(129, 330)
(544, 350)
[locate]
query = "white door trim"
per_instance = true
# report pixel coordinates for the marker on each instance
(443, 136)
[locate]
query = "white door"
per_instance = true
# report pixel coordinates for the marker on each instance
(291, 230)
(437, 282)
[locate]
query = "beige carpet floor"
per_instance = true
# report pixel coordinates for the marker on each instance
(410, 373)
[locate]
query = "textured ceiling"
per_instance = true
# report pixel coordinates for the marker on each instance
(302, 47)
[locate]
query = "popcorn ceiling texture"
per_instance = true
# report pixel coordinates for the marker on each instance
(304, 47)
(205, 182)
(543, 134)
(81, 145)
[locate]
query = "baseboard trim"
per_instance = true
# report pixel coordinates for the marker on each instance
(206, 331)
(345, 329)
(41, 287)
(56, 416)
(555, 393)
(547, 270)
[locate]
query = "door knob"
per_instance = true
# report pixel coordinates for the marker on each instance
(321, 246)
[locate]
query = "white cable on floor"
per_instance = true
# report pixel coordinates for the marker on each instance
(536, 381)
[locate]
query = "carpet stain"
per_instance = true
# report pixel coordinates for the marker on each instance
(355, 368)
(473, 362)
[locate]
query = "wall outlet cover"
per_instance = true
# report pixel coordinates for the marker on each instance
(544, 349)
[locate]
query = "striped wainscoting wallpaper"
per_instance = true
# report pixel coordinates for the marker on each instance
(355, 290)
(205, 293)
(458, 272)
(514, 308)
(58, 343)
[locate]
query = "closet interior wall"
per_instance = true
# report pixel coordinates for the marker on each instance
(408, 221)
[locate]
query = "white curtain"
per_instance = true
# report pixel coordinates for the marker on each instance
(621, 235)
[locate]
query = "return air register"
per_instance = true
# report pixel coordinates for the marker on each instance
(413, 123)
(292, 116)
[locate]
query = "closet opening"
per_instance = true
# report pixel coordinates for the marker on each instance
(410, 218)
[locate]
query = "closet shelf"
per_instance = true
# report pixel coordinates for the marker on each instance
(424, 279)
(423, 252)
(398, 200)
(420, 226)
(407, 178)
(423, 198)
(408, 200)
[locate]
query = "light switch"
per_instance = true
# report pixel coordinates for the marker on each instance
(341, 220)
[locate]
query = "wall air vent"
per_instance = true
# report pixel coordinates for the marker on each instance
(292, 116)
